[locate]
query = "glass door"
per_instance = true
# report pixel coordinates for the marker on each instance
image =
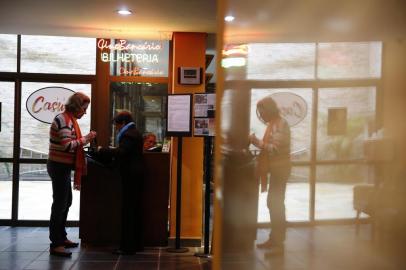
(343, 119)
(35, 189)
(298, 109)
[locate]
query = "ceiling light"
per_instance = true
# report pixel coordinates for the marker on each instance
(229, 18)
(124, 12)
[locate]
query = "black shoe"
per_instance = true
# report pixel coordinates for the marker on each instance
(123, 252)
(60, 252)
(70, 244)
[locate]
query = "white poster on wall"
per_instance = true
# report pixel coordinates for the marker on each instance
(179, 114)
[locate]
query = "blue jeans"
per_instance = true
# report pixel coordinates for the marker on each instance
(60, 174)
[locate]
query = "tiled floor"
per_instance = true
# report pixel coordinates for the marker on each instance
(336, 247)
(28, 248)
(328, 247)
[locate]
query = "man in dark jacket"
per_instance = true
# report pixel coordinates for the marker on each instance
(128, 156)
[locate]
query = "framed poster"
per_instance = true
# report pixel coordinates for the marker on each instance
(204, 127)
(179, 115)
(204, 113)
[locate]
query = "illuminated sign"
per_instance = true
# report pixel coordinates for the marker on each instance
(292, 107)
(45, 103)
(135, 58)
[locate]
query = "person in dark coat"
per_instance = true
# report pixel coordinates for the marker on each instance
(128, 156)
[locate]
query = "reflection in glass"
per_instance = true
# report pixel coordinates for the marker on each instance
(6, 177)
(296, 200)
(300, 132)
(8, 53)
(281, 61)
(7, 119)
(349, 60)
(60, 55)
(334, 189)
(360, 104)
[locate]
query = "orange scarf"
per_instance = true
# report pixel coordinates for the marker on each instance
(262, 169)
(80, 161)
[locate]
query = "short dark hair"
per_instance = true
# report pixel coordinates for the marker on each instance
(123, 117)
(76, 101)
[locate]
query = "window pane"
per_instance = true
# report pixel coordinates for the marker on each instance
(359, 103)
(7, 119)
(35, 196)
(6, 177)
(296, 197)
(35, 134)
(281, 61)
(69, 55)
(8, 53)
(301, 131)
(334, 189)
(345, 60)
(147, 102)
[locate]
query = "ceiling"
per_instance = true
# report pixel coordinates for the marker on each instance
(315, 20)
(256, 20)
(152, 19)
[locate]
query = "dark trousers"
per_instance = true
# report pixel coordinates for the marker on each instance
(276, 203)
(132, 216)
(62, 199)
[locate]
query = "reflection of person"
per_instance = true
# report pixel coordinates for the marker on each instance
(66, 153)
(129, 157)
(149, 141)
(274, 158)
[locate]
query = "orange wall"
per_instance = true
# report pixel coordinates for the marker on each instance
(188, 50)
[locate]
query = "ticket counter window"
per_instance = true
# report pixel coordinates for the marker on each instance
(147, 102)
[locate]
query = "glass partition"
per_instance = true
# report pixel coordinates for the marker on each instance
(147, 103)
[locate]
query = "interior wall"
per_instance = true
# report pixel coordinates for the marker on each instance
(188, 51)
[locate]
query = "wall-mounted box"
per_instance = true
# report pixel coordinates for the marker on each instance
(190, 75)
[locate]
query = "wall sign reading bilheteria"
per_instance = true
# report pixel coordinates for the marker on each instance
(291, 106)
(45, 103)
